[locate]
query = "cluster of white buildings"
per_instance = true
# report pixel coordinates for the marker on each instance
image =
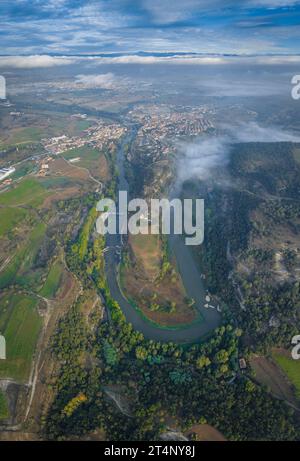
(97, 135)
(59, 144)
(161, 124)
(101, 134)
(176, 124)
(165, 121)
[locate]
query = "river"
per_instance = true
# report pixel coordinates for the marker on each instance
(187, 267)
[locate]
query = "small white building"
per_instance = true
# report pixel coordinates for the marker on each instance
(5, 172)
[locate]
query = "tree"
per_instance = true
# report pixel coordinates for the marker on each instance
(141, 353)
(203, 362)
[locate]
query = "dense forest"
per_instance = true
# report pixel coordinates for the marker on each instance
(195, 384)
(264, 195)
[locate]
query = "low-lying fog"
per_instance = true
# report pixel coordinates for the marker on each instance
(200, 158)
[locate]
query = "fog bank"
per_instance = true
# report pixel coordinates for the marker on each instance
(200, 159)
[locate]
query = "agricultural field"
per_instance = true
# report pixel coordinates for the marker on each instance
(272, 376)
(90, 158)
(53, 280)
(19, 268)
(32, 127)
(56, 182)
(23, 136)
(24, 233)
(84, 152)
(4, 413)
(151, 282)
(290, 367)
(147, 249)
(79, 126)
(60, 167)
(20, 324)
(10, 218)
(28, 192)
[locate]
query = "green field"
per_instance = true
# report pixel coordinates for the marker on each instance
(94, 160)
(24, 135)
(55, 182)
(48, 124)
(29, 192)
(9, 219)
(60, 124)
(18, 270)
(20, 324)
(53, 280)
(28, 134)
(81, 125)
(3, 407)
(291, 368)
(85, 153)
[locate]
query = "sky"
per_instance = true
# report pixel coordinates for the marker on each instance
(71, 27)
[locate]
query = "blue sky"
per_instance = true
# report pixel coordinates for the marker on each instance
(126, 26)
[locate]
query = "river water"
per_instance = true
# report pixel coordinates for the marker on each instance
(187, 267)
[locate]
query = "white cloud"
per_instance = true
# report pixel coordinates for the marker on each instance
(175, 59)
(253, 132)
(277, 60)
(199, 159)
(106, 81)
(174, 11)
(245, 88)
(35, 61)
(196, 59)
(30, 62)
(273, 3)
